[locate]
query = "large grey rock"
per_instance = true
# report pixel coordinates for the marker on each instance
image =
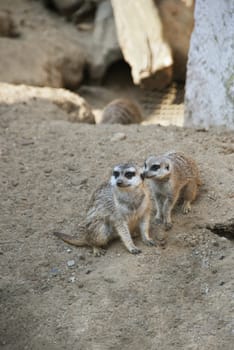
(47, 53)
(209, 97)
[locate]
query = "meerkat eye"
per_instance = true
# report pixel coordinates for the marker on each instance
(129, 174)
(155, 167)
(116, 174)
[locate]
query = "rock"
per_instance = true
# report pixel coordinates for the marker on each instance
(75, 106)
(209, 95)
(142, 42)
(54, 271)
(104, 48)
(51, 48)
(71, 263)
(119, 136)
(48, 66)
(177, 20)
(72, 279)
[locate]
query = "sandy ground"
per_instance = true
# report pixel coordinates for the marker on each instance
(172, 297)
(180, 297)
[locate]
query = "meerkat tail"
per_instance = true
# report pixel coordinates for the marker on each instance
(79, 242)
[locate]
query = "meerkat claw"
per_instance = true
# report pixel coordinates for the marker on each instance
(135, 250)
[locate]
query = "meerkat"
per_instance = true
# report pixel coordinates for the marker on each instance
(172, 175)
(117, 208)
(121, 111)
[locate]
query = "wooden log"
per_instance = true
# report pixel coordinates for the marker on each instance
(140, 35)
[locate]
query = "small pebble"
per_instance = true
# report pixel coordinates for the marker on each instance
(72, 279)
(54, 271)
(119, 136)
(71, 263)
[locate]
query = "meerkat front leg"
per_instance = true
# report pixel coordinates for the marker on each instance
(124, 234)
(144, 230)
(102, 237)
(167, 209)
(159, 206)
(190, 193)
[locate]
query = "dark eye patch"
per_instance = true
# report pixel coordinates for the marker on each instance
(129, 174)
(155, 167)
(116, 174)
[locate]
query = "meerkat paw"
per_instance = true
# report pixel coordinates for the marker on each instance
(150, 242)
(98, 251)
(135, 250)
(168, 226)
(186, 207)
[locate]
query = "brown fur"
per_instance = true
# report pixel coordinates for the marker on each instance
(121, 111)
(116, 209)
(177, 174)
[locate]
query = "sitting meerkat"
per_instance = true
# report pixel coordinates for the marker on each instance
(171, 175)
(116, 209)
(121, 111)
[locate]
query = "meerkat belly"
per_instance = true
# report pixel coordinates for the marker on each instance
(134, 216)
(162, 188)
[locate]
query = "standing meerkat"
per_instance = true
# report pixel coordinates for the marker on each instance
(116, 209)
(172, 175)
(121, 111)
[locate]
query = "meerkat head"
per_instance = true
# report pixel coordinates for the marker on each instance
(157, 168)
(127, 176)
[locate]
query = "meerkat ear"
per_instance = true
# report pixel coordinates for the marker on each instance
(142, 174)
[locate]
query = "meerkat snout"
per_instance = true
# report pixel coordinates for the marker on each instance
(153, 168)
(126, 176)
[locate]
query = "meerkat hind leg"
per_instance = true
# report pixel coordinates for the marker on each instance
(124, 234)
(102, 238)
(167, 209)
(144, 230)
(190, 193)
